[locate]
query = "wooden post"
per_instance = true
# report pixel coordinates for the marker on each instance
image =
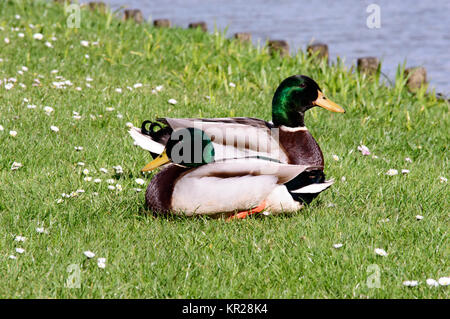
(134, 14)
(243, 36)
(162, 23)
(320, 50)
(201, 25)
(280, 46)
(97, 6)
(417, 77)
(368, 65)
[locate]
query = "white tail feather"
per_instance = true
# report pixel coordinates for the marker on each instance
(314, 188)
(145, 141)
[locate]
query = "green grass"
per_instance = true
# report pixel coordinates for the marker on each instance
(274, 257)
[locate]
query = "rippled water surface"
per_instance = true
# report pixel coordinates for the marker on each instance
(417, 32)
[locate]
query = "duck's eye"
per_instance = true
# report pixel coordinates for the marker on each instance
(302, 85)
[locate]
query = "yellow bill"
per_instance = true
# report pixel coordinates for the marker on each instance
(322, 101)
(157, 162)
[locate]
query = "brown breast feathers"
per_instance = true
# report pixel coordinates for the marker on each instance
(301, 147)
(159, 192)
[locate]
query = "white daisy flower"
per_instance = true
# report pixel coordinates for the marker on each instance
(118, 90)
(101, 263)
(410, 283)
(392, 172)
(407, 159)
(444, 281)
(16, 166)
(172, 101)
(129, 124)
(41, 230)
(119, 187)
(405, 171)
(432, 283)
(381, 252)
(159, 88)
(13, 133)
(48, 109)
(111, 187)
(20, 250)
(97, 180)
(137, 190)
(1, 128)
(419, 217)
(231, 84)
(118, 169)
(89, 79)
(48, 45)
(59, 201)
(140, 181)
(21, 35)
(38, 36)
(80, 164)
(85, 171)
(103, 170)
(9, 86)
(110, 181)
(12, 257)
(89, 254)
(337, 246)
(87, 179)
(109, 109)
(7, 40)
(137, 85)
(84, 43)
(364, 150)
(442, 179)
(78, 148)
(336, 158)
(54, 128)
(20, 238)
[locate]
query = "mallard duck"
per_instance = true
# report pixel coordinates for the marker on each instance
(257, 165)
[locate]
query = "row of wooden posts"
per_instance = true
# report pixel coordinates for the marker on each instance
(416, 76)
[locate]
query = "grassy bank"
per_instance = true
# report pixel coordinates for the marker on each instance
(274, 257)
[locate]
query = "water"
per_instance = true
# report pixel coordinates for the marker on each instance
(413, 31)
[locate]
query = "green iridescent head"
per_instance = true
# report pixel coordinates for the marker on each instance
(188, 147)
(294, 96)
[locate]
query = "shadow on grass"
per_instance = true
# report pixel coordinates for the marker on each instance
(145, 213)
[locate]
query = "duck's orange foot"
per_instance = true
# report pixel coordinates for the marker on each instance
(244, 214)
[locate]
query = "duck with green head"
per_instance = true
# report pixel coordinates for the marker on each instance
(273, 166)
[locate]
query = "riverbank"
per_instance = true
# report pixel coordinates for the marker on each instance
(70, 175)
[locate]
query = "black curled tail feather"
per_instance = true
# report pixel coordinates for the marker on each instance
(151, 131)
(157, 132)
